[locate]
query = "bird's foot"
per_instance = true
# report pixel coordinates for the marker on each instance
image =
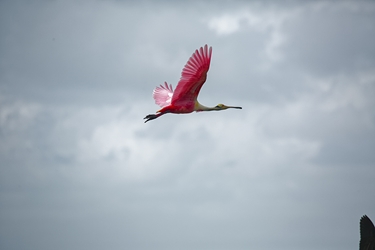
(151, 117)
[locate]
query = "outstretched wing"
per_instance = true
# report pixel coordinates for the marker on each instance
(193, 76)
(163, 94)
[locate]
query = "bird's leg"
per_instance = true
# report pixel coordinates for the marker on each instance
(152, 117)
(158, 113)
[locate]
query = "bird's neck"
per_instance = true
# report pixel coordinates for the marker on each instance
(199, 107)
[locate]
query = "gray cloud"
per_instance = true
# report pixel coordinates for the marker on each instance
(80, 170)
(340, 34)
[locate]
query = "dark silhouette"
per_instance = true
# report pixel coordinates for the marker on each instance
(367, 231)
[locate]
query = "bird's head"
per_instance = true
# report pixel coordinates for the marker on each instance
(222, 107)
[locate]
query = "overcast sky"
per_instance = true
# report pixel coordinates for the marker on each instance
(294, 169)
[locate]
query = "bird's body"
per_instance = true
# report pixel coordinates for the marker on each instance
(184, 98)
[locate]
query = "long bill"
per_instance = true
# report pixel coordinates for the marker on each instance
(233, 107)
(199, 107)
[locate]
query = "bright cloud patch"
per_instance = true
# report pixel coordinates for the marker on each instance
(269, 23)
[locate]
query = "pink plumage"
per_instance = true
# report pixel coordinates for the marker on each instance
(163, 94)
(184, 98)
(193, 75)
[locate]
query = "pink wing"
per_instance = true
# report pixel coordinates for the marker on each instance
(193, 76)
(163, 94)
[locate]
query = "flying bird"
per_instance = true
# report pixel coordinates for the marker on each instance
(184, 99)
(367, 231)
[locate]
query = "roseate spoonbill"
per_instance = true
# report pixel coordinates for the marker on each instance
(367, 231)
(184, 99)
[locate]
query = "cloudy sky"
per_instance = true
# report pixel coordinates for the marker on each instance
(294, 169)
